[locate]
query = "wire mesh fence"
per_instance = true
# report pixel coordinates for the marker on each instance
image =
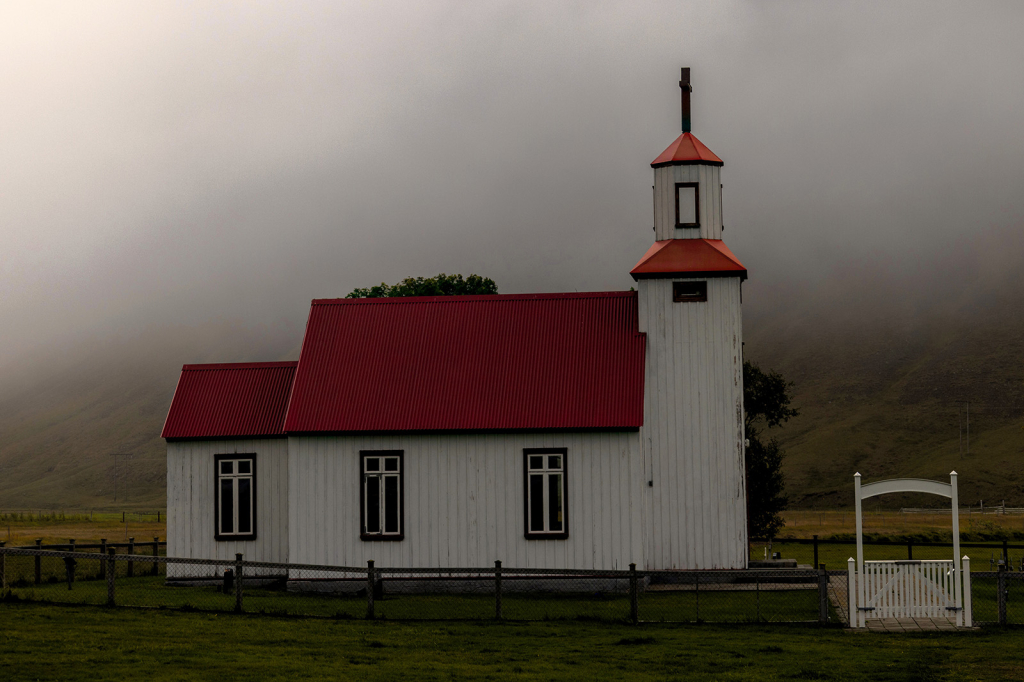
(997, 597)
(486, 593)
(747, 596)
(69, 577)
(139, 575)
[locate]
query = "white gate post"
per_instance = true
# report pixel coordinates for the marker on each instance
(860, 548)
(851, 589)
(968, 619)
(956, 546)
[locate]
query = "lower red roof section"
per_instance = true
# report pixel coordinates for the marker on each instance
(454, 363)
(230, 400)
(689, 258)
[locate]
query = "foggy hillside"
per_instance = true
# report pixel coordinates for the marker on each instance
(878, 362)
(881, 362)
(63, 416)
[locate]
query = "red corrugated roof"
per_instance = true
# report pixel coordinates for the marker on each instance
(230, 400)
(689, 257)
(687, 149)
(503, 362)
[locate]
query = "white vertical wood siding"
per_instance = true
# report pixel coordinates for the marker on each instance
(191, 509)
(464, 501)
(693, 427)
(710, 183)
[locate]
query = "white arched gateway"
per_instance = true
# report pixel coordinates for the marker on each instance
(909, 589)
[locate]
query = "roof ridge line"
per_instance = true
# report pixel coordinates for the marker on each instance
(238, 365)
(471, 298)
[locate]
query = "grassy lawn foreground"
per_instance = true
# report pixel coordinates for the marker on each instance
(55, 642)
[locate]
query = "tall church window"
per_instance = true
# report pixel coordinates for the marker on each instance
(381, 494)
(235, 496)
(546, 492)
(687, 204)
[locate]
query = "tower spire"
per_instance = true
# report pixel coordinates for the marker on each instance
(684, 85)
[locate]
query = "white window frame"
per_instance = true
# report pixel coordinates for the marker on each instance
(235, 476)
(377, 478)
(695, 186)
(545, 472)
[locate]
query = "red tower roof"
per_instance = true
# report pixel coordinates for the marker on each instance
(689, 258)
(479, 363)
(233, 400)
(687, 149)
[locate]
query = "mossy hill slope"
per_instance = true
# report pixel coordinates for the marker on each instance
(882, 372)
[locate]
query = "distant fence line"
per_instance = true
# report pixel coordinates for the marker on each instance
(969, 511)
(826, 550)
(64, 515)
(73, 546)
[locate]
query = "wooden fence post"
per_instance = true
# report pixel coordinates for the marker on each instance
(1001, 593)
(822, 595)
(815, 551)
(131, 564)
(696, 584)
(497, 590)
(851, 592)
(156, 552)
(968, 616)
(70, 565)
(369, 589)
(634, 598)
(111, 572)
(1006, 555)
(103, 558)
(238, 583)
(39, 562)
(757, 599)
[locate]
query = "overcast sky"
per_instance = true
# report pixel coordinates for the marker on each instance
(176, 163)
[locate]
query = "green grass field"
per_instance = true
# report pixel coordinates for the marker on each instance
(39, 642)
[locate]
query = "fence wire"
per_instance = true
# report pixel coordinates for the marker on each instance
(997, 597)
(487, 593)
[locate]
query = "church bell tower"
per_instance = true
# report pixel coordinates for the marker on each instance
(687, 184)
(688, 286)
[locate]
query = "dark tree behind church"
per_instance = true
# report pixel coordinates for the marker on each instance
(441, 285)
(766, 404)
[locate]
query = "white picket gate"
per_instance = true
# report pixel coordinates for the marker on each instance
(909, 589)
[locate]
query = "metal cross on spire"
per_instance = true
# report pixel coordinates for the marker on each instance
(684, 85)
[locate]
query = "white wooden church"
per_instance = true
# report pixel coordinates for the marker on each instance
(578, 430)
